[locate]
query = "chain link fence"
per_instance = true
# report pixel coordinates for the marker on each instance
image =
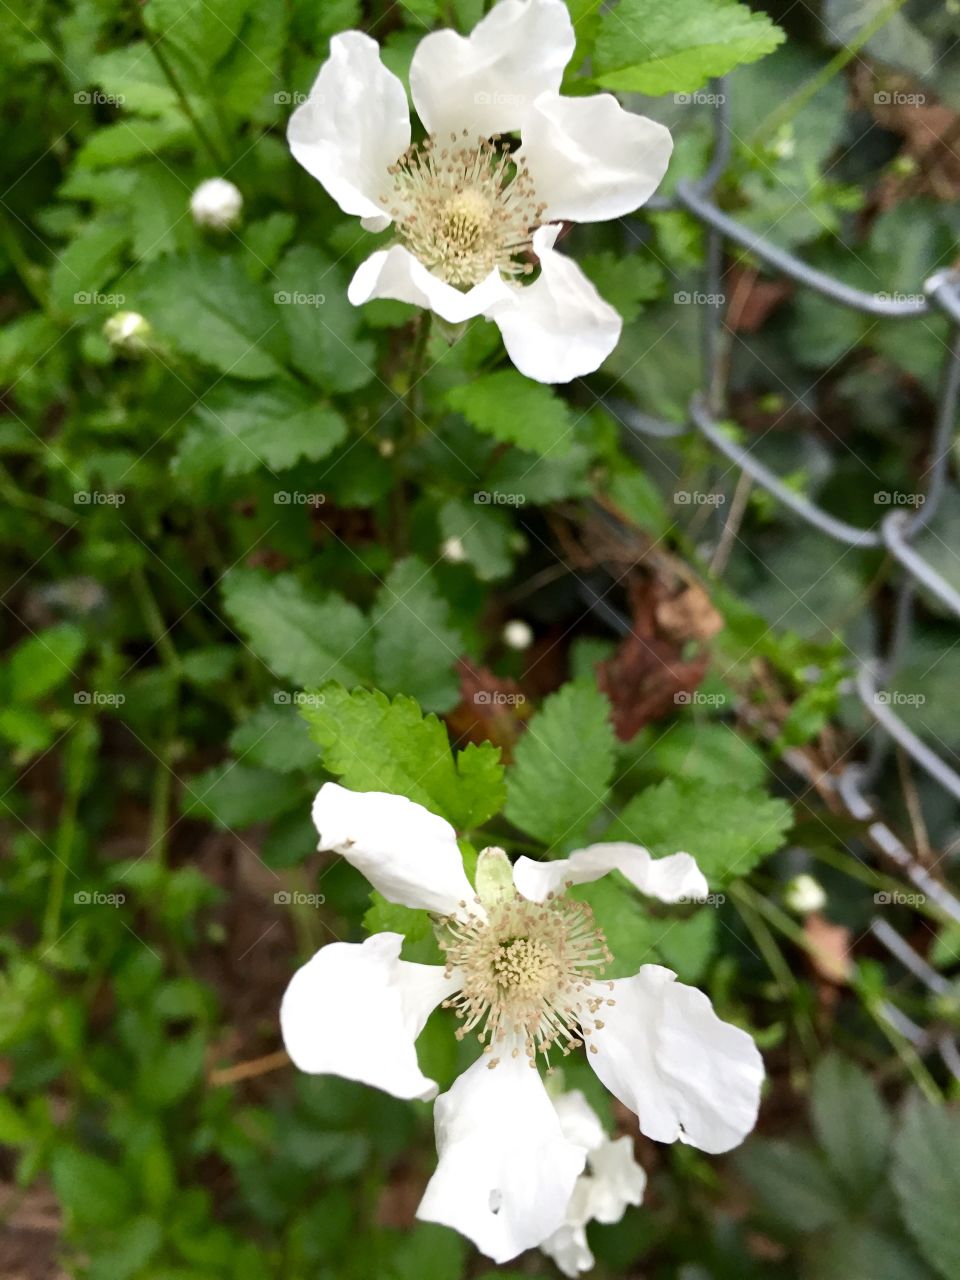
(848, 785)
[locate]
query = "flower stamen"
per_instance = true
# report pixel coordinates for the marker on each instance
(465, 208)
(531, 973)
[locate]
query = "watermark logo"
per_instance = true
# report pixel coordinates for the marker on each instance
(84, 298)
(496, 498)
(284, 699)
(708, 900)
(894, 498)
(94, 898)
(483, 99)
(288, 98)
(696, 299)
(700, 99)
(893, 698)
(894, 98)
(98, 698)
(896, 898)
(914, 299)
(695, 698)
(294, 498)
(293, 898)
(496, 698)
(97, 98)
(283, 298)
(696, 498)
(97, 498)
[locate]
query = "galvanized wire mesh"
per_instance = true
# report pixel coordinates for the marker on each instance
(896, 533)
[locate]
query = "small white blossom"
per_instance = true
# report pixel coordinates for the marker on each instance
(216, 203)
(523, 974)
(453, 551)
(127, 330)
(804, 895)
(474, 217)
(517, 634)
(612, 1181)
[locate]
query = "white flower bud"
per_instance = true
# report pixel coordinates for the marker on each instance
(216, 203)
(127, 330)
(804, 894)
(517, 634)
(453, 551)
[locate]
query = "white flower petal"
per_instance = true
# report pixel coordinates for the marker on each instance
(354, 124)
(569, 1250)
(356, 1009)
(617, 1180)
(486, 82)
(506, 1172)
(671, 879)
(578, 1120)
(407, 853)
(589, 159)
(667, 1056)
(396, 273)
(557, 328)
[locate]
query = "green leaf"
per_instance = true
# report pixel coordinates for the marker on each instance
(632, 933)
(511, 408)
(675, 46)
(486, 534)
(305, 638)
(93, 1192)
(793, 1184)
(276, 737)
(42, 662)
(276, 427)
(86, 264)
(636, 495)
(373, 744)
(688, 945)
(168, 1073)
(310, 297)
(415, 647)
(926, 1178)
(208, 308)
(712, 753)
(625, 282)
(851, 1123)
(234, 796)
(563, 765)
(727, 831)
(855, 1251)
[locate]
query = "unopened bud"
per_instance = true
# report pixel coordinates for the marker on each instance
(216, 203)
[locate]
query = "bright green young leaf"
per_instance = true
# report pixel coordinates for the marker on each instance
(728, 831)
(42, 662)
(563, 765)
(374, 744)
(675, 46)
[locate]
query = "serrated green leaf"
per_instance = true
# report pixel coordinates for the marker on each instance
(275, 426)
(374, 744)
(310, 297)
(675, 46)
(302, 637)
(415, 647)
(208, 308)
(625, 282)
(851, 1122)
(275, 737)
(563, 765)
(728, 831)
(926, 1178)
(713, 753)
(511, 408)
(793, 1185)
(485, 532)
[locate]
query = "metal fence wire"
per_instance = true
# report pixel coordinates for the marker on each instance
(895, 533)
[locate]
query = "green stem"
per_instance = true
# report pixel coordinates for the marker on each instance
(798, 100)
(166, 66)
(63, 851)
(412, 405)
